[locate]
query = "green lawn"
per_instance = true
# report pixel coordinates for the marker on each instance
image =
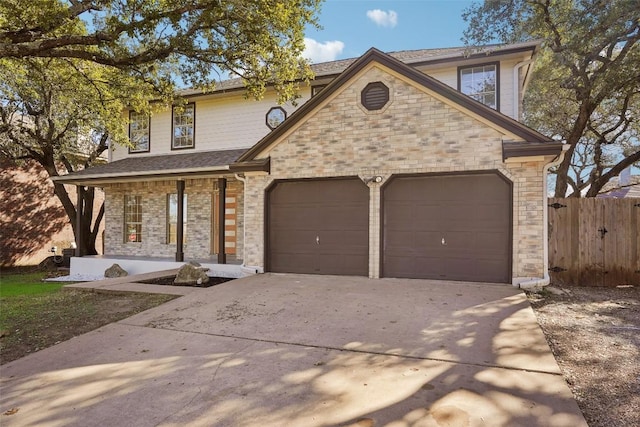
(12, 285)
(36, 314)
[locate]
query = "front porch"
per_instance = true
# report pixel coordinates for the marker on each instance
(161, 211)
(93, 265)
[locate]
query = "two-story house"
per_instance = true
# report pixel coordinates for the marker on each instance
(408, 164)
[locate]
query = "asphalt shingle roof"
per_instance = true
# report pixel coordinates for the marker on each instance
(417, 56)
(157, 165)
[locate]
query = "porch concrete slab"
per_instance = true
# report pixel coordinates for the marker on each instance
(173, 366)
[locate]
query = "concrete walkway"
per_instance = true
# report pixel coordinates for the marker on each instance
(297, 350)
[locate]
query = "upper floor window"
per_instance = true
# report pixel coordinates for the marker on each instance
(183, 129)
(275, 116)
(481, 83)
(138, 132)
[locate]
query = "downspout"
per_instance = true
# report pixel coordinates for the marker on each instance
(516, 87)
(545, 280)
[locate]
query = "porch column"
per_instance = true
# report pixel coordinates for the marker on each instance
(79, 222)
(222, 187)
(180, 222)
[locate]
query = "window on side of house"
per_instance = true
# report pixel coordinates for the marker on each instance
(481, 83)
(183, 129)
(132, 219)
(172, 218)
(139, 125)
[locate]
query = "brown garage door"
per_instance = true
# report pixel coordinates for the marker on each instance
(318, 227)
(450, 227)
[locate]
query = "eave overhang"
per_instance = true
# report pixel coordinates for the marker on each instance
(154, 168)
(92, 180)
(258, 165)
(511, 149)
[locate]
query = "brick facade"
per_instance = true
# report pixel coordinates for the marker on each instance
(417, 132)
(199, 245)
(32, 218)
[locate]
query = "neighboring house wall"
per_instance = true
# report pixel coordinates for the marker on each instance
(199, 244)
(622, 187)
(32, 219)
(417, 132)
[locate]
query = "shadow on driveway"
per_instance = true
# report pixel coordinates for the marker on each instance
(297, 350)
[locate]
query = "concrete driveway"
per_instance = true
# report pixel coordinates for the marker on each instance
(298, 350)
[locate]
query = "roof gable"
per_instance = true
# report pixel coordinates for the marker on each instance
(376, 56)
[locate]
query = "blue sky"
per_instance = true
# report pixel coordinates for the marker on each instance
(350, 27)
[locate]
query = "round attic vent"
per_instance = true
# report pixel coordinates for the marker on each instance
(375, 96)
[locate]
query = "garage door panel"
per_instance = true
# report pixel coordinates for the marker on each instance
(411, 266)
(293, 262)
(494, 243)
(294, 241)
(485, 269)
(296, 214)
(341, 218)
(343, 241)
(413, 242)
(343, 264)
(422, 241)
(404, 217)
(325, 221)
(472, 213)
(459, 241)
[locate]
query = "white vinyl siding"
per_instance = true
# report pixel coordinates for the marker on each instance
(222, 122)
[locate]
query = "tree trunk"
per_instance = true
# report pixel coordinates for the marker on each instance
(562, 178)
(89, 235)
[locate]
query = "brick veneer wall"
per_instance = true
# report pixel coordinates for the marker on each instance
(200, 197)
(32, 219)
(414, 133)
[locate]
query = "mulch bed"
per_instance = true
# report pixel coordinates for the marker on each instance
(168, 281)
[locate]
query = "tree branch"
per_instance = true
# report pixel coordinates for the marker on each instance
(614, 171)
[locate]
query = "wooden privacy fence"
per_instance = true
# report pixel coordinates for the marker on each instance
(594, 242)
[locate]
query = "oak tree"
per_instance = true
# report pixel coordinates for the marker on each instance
(61, 114)
(257, 40)
(585, 88)
(68, 69)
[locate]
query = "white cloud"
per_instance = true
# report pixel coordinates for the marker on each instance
(321, 52)
(382, 18)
